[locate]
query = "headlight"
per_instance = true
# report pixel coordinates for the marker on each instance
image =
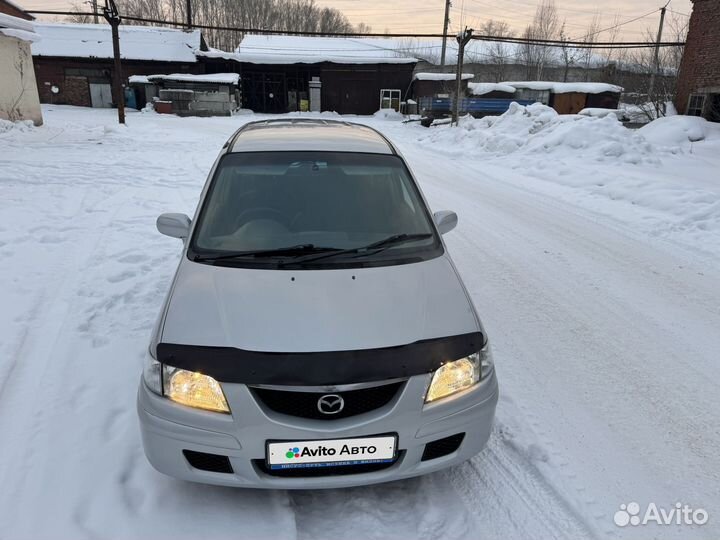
(185, 387)
(460, 375)
(193, 389)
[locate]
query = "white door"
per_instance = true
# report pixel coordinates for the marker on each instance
(100, 95)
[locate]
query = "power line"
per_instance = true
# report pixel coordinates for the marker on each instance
(240, 29)
(618, 25)
(262, 31)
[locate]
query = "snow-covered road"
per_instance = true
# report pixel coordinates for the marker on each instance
(604, 315)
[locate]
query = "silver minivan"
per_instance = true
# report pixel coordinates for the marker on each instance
(316, 333)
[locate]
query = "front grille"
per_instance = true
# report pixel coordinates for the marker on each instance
(442, 447)
(315, 472)
(305, 404)
(208, 462)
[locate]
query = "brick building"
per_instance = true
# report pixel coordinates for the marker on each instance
(698, 88)
(14, 10)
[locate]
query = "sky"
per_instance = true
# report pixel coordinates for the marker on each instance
(427, 16)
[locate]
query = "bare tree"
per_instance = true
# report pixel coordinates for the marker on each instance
(498, 53)
(79, 7)
(545, 25)
(363, 28)
(611, 36)
(568, 54)
(283, 15)
(676, 30)
(587, 54)
(642, 62)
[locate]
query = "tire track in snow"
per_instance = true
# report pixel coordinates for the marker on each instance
(77, 441)
(586, 317)
(427, 507)
(38, 364)
(515, 500)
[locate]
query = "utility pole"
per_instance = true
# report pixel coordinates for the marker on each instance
(95, 12)
(445, 31)
(656, 60)
(112, 16)
(188, 12)
(463, 39)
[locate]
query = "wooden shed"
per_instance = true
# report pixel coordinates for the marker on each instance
(428, 84)
(568, 97)
(215, 94)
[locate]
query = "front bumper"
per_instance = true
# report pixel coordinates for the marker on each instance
(168, 429)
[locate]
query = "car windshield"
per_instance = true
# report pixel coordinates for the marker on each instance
(266, 206)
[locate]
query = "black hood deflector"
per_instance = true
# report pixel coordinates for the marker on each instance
(231, 365)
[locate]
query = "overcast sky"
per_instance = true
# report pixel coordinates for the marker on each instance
(426, 16)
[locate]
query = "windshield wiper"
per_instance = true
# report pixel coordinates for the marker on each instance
(378, 246)
(288, 251)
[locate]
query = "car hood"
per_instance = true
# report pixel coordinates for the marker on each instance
(316, 310)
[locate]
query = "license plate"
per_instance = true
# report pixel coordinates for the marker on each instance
(331, 452)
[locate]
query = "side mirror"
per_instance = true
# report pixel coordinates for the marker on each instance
(175, 225)
(445, 220)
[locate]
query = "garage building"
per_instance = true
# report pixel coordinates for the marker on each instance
(74, 62)
(290, 73)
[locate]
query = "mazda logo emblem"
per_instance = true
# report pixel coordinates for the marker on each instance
(330, 404)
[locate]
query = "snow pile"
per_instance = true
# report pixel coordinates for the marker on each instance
(600, 112)
(388, 114)
(673, 131)
(20, 126)
(538, 129)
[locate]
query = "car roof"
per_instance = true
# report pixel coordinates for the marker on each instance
(300, 134)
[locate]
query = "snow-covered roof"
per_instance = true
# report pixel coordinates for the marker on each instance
(566, 87)
(256, 49)
(136, 42)
(441, 76)
(217, 78)
(479, 89)
(18, 28)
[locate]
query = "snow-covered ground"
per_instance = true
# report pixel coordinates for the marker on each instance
(592, 253)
